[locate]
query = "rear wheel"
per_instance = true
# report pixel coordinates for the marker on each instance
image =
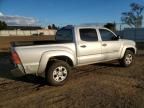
(128, 59)
(58, 73)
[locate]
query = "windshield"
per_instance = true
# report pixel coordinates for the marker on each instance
(64, 35)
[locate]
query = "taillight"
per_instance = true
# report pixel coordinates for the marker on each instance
(15, 58)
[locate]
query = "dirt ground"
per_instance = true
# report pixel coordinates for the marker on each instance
(105, 85)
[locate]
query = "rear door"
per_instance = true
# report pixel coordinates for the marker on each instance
(110, 44)
(89, 46)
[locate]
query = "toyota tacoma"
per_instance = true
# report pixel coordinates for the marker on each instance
(73, 46)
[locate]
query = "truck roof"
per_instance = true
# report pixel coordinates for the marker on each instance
(82, 25)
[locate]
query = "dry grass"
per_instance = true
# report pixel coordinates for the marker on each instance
(5, 41)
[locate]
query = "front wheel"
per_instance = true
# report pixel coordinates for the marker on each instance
(128, 59)
(58, 73)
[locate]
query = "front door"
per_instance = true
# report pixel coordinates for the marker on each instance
(110, 45)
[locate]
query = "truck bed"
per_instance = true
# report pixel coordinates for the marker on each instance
(30, 43)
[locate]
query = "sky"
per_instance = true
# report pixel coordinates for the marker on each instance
(63, 12)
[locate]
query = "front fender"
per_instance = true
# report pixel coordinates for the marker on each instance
(125, 48)
(47, 55)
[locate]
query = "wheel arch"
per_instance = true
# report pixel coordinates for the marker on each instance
(62, 58)
(133, 49)
(49, 57)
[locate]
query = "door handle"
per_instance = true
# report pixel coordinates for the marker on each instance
(104, 44)
(83, 46)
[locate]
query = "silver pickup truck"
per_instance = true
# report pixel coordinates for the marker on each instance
(73, 46)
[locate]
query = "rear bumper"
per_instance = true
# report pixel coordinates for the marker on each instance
(18, 70)
(17, 73)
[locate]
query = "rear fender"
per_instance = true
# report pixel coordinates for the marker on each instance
(49, 54)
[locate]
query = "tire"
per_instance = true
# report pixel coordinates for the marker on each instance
(128, 59)
(58, 73)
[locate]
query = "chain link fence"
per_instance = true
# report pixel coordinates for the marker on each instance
(136, 34)
(125, 31)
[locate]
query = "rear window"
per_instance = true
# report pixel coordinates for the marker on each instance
(64, 35)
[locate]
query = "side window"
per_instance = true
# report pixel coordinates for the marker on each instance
(107, 35)
(88, 34)
(64, 35)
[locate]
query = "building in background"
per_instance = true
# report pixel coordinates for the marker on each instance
(23, 27)
(27, 31)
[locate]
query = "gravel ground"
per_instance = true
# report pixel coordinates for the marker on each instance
(105, 85)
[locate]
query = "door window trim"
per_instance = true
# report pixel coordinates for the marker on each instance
(107, 30)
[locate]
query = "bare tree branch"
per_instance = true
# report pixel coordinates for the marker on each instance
(134, 16)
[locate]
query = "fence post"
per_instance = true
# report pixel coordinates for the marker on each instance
(135, 34)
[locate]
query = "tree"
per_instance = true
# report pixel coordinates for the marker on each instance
(111, 26)
(49, 27)
(3, 25)
(134, 17)
(54, 27)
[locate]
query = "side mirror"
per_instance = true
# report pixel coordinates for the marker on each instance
(116, 38)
